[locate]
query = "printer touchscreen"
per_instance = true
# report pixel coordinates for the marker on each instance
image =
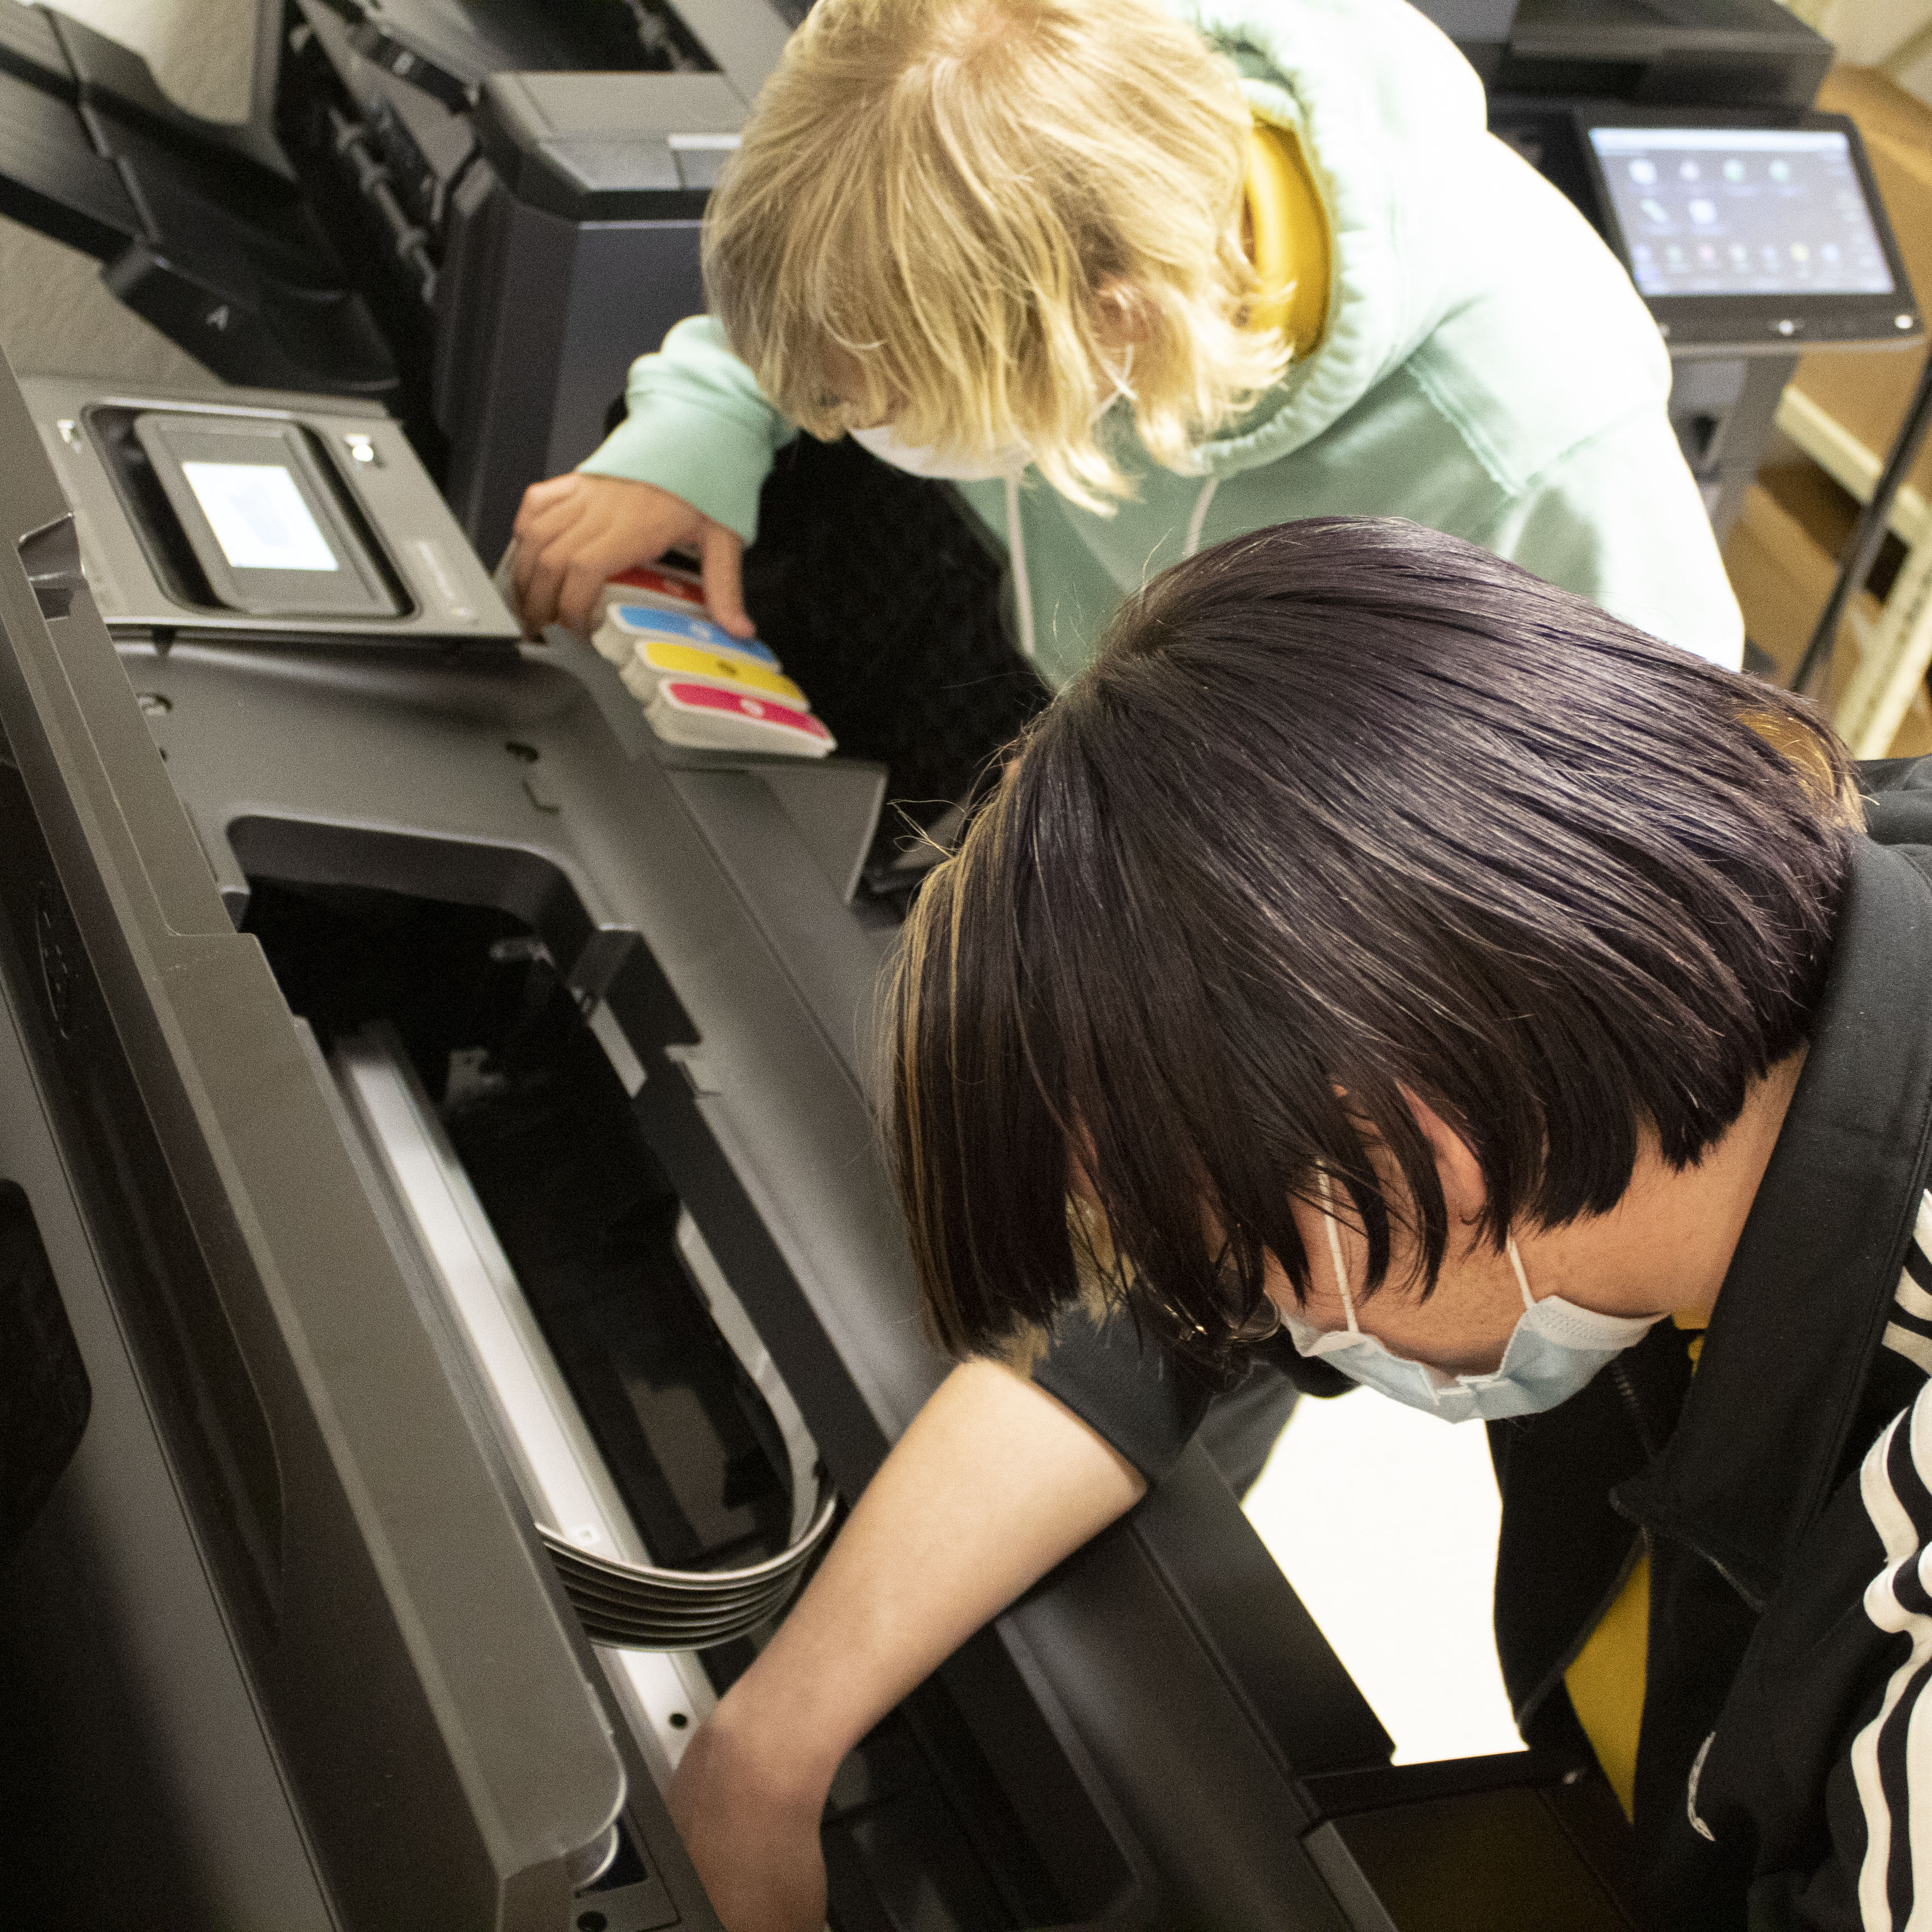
(273, 532)
(1745, 236)
(259, 517)
(1741, 211)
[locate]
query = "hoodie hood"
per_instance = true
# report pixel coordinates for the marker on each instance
(1486, 368)
(1383, 105)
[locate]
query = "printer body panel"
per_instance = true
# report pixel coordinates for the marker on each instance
(369, 1563)
(747, 1001)
(126, 1702)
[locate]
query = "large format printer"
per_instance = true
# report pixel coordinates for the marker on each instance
(439, 1103)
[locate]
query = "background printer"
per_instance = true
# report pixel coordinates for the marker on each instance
(476, 214)
(620, 166)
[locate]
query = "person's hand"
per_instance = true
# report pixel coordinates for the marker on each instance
(994, 1483)
(755, 1847)
(574, 533)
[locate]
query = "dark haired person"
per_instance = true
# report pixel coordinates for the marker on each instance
(1538, 1022)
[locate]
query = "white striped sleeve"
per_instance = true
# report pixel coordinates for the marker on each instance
(1892, 1757)
(1909, 1333)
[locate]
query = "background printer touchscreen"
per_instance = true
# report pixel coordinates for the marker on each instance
(1741, 211)
(1745, 238)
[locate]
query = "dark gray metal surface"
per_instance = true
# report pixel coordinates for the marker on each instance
(1710, 53)
(388, 1611)
(679, 888)
(1722, 409)
(120, 1694)
(541, 318)
(455, 603)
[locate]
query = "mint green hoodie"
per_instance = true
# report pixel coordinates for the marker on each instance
(1487, 369)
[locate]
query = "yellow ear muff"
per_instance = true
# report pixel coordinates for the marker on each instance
(1288, 231)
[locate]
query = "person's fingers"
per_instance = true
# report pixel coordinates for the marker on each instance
(523, 561)
(510, 573)
(572, 532)
(572, 518)
(582, 587)
(569, 539)
(524, 555)
(535, 539)
(537, 595)
(721, 556)
(539, 496)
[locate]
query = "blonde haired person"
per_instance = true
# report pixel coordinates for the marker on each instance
(1140, 279)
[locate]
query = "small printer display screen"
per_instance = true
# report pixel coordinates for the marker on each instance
(1741, 211)
(263, 522)
(259, 517)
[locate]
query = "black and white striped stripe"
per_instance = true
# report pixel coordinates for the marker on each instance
(1891, 1757)
(1909, 1331)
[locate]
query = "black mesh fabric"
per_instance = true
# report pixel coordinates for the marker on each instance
(882, 597)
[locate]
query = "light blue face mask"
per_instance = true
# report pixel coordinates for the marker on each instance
(972, 466)
(1554, 1350)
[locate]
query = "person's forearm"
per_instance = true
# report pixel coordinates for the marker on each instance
(994, 1483)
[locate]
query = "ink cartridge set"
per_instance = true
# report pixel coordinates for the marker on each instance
(700, 686)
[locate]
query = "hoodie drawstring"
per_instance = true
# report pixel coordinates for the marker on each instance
(1200, 516)
(1016, 552)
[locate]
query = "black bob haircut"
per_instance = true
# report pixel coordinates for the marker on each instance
(1346, 805)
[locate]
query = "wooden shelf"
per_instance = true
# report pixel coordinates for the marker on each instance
(1848, 462)
(1893, 658)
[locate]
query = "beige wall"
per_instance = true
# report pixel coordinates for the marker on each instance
(1894, 35)
(55, 318)
(202, 51)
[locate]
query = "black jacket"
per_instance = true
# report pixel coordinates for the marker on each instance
(1784, 1492)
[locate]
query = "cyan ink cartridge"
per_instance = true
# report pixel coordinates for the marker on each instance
(627, 626)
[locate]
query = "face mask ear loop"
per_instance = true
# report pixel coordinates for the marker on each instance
(1515, 1262)
(1335, 1247)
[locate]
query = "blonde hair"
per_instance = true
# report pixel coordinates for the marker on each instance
(937, 204)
